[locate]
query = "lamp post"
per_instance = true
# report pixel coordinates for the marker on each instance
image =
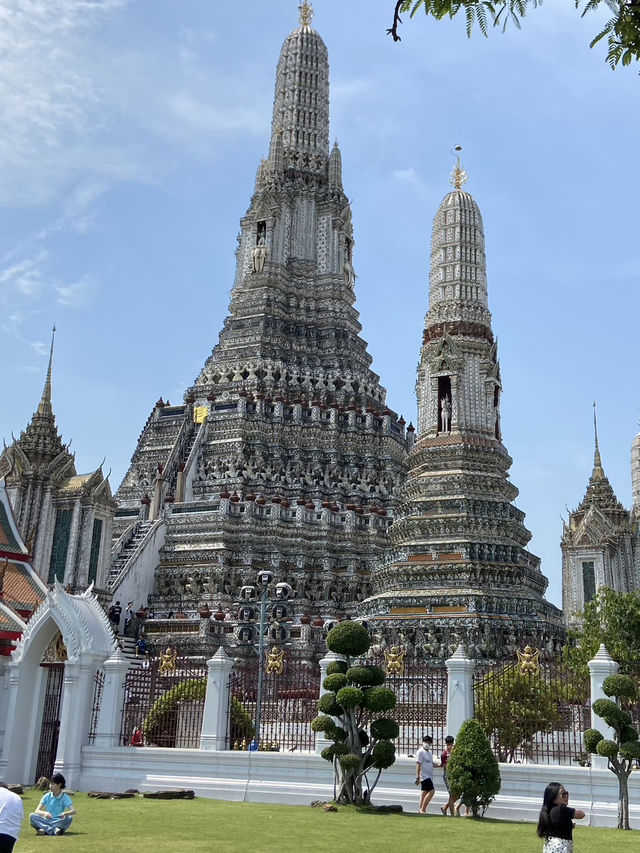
(282, 593)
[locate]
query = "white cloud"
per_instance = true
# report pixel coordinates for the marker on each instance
(76, 294)
(23, 277)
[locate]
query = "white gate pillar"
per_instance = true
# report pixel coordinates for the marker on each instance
(330, 657)
(459, 690)
(112, 702)
(601, 667)
(216, 704)
(75, 717)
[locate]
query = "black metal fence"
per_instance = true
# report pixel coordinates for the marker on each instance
(421, 690)
(164, 702)
(290, 690)
(533, 711)
(98, 686)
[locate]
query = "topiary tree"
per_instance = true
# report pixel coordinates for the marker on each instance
(354, 699)
(625, 749)
(472, 768)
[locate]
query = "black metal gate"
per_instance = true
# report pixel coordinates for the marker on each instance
(290, 689)
(50, 729)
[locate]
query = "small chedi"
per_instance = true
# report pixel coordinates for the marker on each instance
(458, 570)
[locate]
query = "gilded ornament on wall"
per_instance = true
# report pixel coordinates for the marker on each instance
(394, 660)
(275, 661)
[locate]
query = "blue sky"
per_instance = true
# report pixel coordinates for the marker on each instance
(132, 131)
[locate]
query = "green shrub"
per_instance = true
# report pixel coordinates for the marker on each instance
(611, 713)
(350, 763)
(327, 753)
(472, 769)
(349, 638)
(620, 686)
(366, 676)
(628, 733)
(608, 748)
(630, 750)
(355, 694)
(350, 697)
(384, 754)
(327, 705)
(323, 724)
(384, 729)
(380, 699)
(335, 681)
(592, 738)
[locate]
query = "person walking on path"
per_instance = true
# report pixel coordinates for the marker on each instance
(424, 772)
(54, 813)
(11, 811)
(555, 824)
(444, 757)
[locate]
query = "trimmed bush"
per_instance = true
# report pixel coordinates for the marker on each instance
(620, 686)
(472, 769)
(611, 713)
(384, 754)
(608, 748)
(327, 705)
(630, 750)
(366, 676)
(592, 738)
(350, 763)
(335, 681)
(355, 694)
(323, 724)
(380, 699)
(384, 729)
(337, 666)
(350, 697)
(349, 638)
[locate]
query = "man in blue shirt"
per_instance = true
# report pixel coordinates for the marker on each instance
(54, 813)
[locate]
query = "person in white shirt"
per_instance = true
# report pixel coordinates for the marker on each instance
(11, 814)
(424, 772)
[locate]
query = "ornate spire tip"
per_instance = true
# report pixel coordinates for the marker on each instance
(458, 176)
(306, 15)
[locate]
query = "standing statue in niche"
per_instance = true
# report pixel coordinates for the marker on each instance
(259, 255)
(445, 413)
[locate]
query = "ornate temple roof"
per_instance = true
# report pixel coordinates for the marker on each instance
(39, 444)
(599, 495)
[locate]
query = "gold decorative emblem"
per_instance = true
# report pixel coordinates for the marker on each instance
(168, 660)
(275, 661)
(529, 660)
(394, 660)
(61, 649)
(306, 14)
(458, 176)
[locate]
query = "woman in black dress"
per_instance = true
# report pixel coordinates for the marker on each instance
(555, 824)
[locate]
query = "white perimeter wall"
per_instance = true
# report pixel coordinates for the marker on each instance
(300, 778)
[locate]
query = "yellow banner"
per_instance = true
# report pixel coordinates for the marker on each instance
(200, 414)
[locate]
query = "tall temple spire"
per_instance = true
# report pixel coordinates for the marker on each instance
(301, 104)
(598, 470)
(460, 569)
(45, 407)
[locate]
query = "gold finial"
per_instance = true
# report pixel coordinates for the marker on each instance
(458, 176)
(306, 15)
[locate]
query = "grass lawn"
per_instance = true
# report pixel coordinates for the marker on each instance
(168, 826)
